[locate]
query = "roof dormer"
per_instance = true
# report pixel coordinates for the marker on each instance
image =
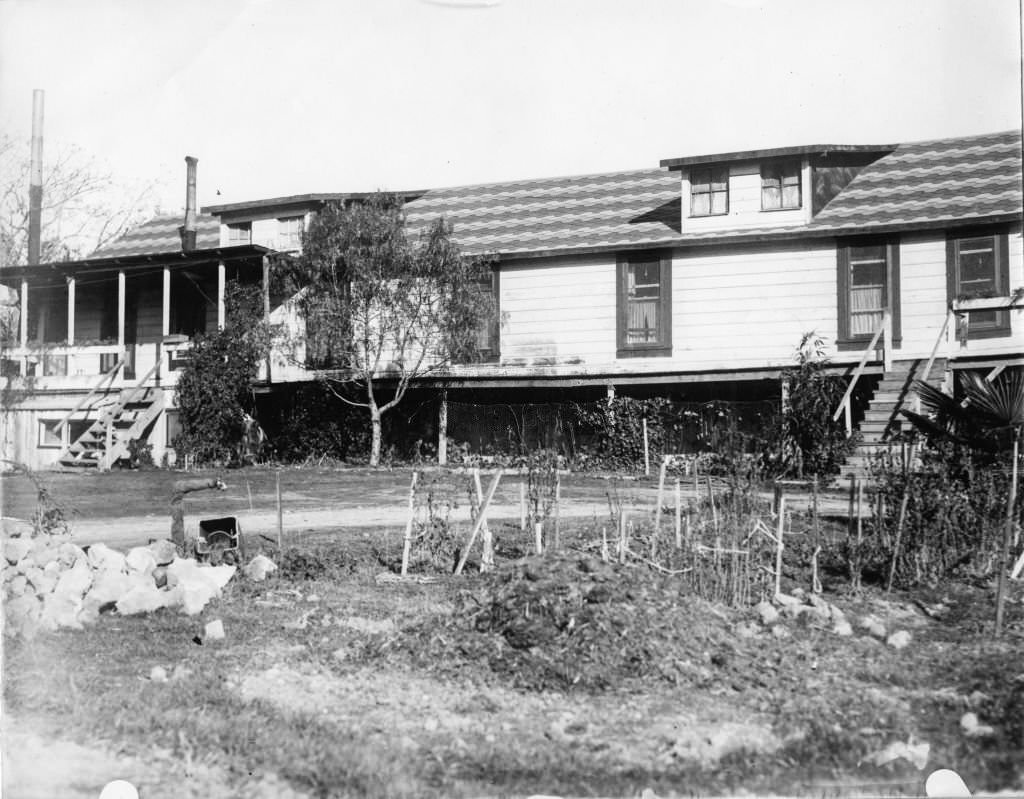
(765, 188)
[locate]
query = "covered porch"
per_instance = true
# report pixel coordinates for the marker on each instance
(131, 314)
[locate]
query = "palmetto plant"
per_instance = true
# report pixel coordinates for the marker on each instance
(989, 418)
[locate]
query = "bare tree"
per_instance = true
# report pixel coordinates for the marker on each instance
(383, 308)
(83, 206)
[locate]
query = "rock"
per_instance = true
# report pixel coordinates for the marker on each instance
(89, 613)
(196, 585)
(158, 674)
(915, 753)
(214, 631)
(68, 554)
(767, 613)
(799, 593)
(816, 601)
(781, 631)
(836, 613)
(786, 599)
(42, 554)
(180, 673)
(874, 627)
(103, 558)
(43, 581)
(747, 629)
(74, 582)
(109, 586)
(842, 628)
(163, 551)
(945, 782)
(898, 640)
(141, 599)
(16, 549)
(259, 567)
(61, 609)
(17, 586)
(159, 576)
(972, 727)
(140, 559)
(22, 616)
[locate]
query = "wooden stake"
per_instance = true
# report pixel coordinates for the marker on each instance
(248, 490)
(407, 540)
(522, 506)
(679, 514)
(604, 544)
(647, 455)
(714, 510)
(538, 537)
(280, 514)
(899, 522)
(780, 532)
(817, 523)
(851, 525)
(487, 558)
(622, 536)
(481, 520)
(558, 500)
(661, 490)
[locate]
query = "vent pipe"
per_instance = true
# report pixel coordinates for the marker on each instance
(35, 180)
(188, 230)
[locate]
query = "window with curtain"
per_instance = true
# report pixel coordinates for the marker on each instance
(644, 303)
(977, 267)
(780, 186)
(869, 278)
(709, 191)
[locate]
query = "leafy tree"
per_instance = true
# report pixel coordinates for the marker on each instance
(214, 389)
(810, 441)
(84, 207)
(384, 308)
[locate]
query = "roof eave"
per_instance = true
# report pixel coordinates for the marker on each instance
(777, 152)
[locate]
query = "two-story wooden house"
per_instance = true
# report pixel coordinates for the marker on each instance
(703, 273)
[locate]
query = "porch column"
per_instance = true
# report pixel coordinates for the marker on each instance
(221, 279)
(71, 311)
(166, 328)
(121, 297)
(442, 430)
(266, 307)
(23, 321)
(23, 325)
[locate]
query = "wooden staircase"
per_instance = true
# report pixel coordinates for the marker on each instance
(107, 439)
(882, 419)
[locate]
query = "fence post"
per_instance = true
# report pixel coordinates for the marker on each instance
(778, 545)
(407, 539)
(647, 454)
(661, 489)
(679, 515)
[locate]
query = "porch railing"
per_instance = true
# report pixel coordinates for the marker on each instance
(883, 331)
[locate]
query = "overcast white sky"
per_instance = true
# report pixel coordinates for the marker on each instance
(281, 97)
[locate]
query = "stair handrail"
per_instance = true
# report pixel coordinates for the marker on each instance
(931, 358)
(110, 374)
(130, 394)
(884, 331)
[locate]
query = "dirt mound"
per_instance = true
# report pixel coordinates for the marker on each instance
(567, 620)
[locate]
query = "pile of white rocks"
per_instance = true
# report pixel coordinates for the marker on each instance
(812, 610)
(51, 583)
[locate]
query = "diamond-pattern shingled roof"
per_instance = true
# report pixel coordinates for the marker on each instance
(973, 177)
(160, 235)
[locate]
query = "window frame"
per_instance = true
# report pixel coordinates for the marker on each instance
(711, 171)
(41, 442)
(663, 346)
(844, 339)
(282, 234)
(1002, 326)
(239, 226)
(780, 167)
(493, 354)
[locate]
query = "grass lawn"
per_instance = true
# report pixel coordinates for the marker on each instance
(331, 683)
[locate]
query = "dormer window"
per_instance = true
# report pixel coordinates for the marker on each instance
(709, 191)
(780, 186)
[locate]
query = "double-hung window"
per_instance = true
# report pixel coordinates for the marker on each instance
(780, 186)
(239, 233)
(869, 285)
(978, 266)
(645, 305)
(289, 232)
(488, 335)
(709, 191)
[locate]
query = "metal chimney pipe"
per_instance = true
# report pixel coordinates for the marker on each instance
(35, 180)
(188, 230)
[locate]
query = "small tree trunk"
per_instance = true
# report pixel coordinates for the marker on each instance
(1004, 554)
(374, 434)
